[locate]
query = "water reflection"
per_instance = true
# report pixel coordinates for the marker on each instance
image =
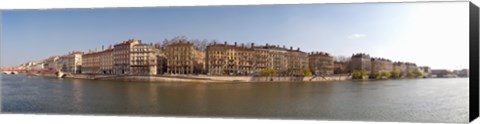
(77, 94)
(153, 96)
(422, 100)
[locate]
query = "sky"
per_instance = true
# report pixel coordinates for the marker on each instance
(428, 34)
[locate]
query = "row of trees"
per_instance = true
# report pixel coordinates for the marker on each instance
(361, 74)
(200, 44)
(197, 43)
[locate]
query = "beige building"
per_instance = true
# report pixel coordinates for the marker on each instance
(143, 60)
(411, 67)
(320, 63)
(360, 62)
(62, 63)
(427, 71)
(271, 56)
(51, 63)
(130, 57)
(91, 63)
(400, 67)
(121, 56)
(71, 63)
(297, 61)
(262, 58)
(380, 65)
(225, 59)
(184, 58)
(106, 61)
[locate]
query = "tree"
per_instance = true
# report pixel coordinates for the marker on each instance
(200, 44)
(410, 74)
(386, 74)
(377, 75)
(396, 74)
(268, 72)
(341, 59)
(418, 73)
(307, 72)
(359, 74)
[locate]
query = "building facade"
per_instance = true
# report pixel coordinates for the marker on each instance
(70, 63)
(121, 56)
(443, 73)
(360, 62)
(62, 63)
(51, 63)
(75, 62)
(320, 63)
(91, 63)
(297, 62)
(184, 58)
(380, 65)
(106, 61)
(400, 67)
(411, 67)
(225, 59)
(463, 73)
(143, 60)
(427, 71)
(271, 56)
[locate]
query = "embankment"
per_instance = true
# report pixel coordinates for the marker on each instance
(205, 78)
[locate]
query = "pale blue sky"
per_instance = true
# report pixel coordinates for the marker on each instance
(424, 33)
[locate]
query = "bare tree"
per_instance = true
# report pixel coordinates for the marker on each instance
(341, 59)
(199, 44)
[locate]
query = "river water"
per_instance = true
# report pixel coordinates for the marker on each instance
(406, 100)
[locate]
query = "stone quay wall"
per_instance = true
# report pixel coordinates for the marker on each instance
(205, 78)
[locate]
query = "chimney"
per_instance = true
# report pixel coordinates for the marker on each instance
(266, 44)
(298, 49)
(283, 46)
(235, 43)
(225, 42)
(253, 44)
(102, 48)
(291, 48)
(242, 45)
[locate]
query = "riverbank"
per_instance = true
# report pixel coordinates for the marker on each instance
(199, 78)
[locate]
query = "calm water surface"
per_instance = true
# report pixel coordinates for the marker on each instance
(410, 100)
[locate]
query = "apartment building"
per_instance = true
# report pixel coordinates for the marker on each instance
(121, 56)
(320, 63)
